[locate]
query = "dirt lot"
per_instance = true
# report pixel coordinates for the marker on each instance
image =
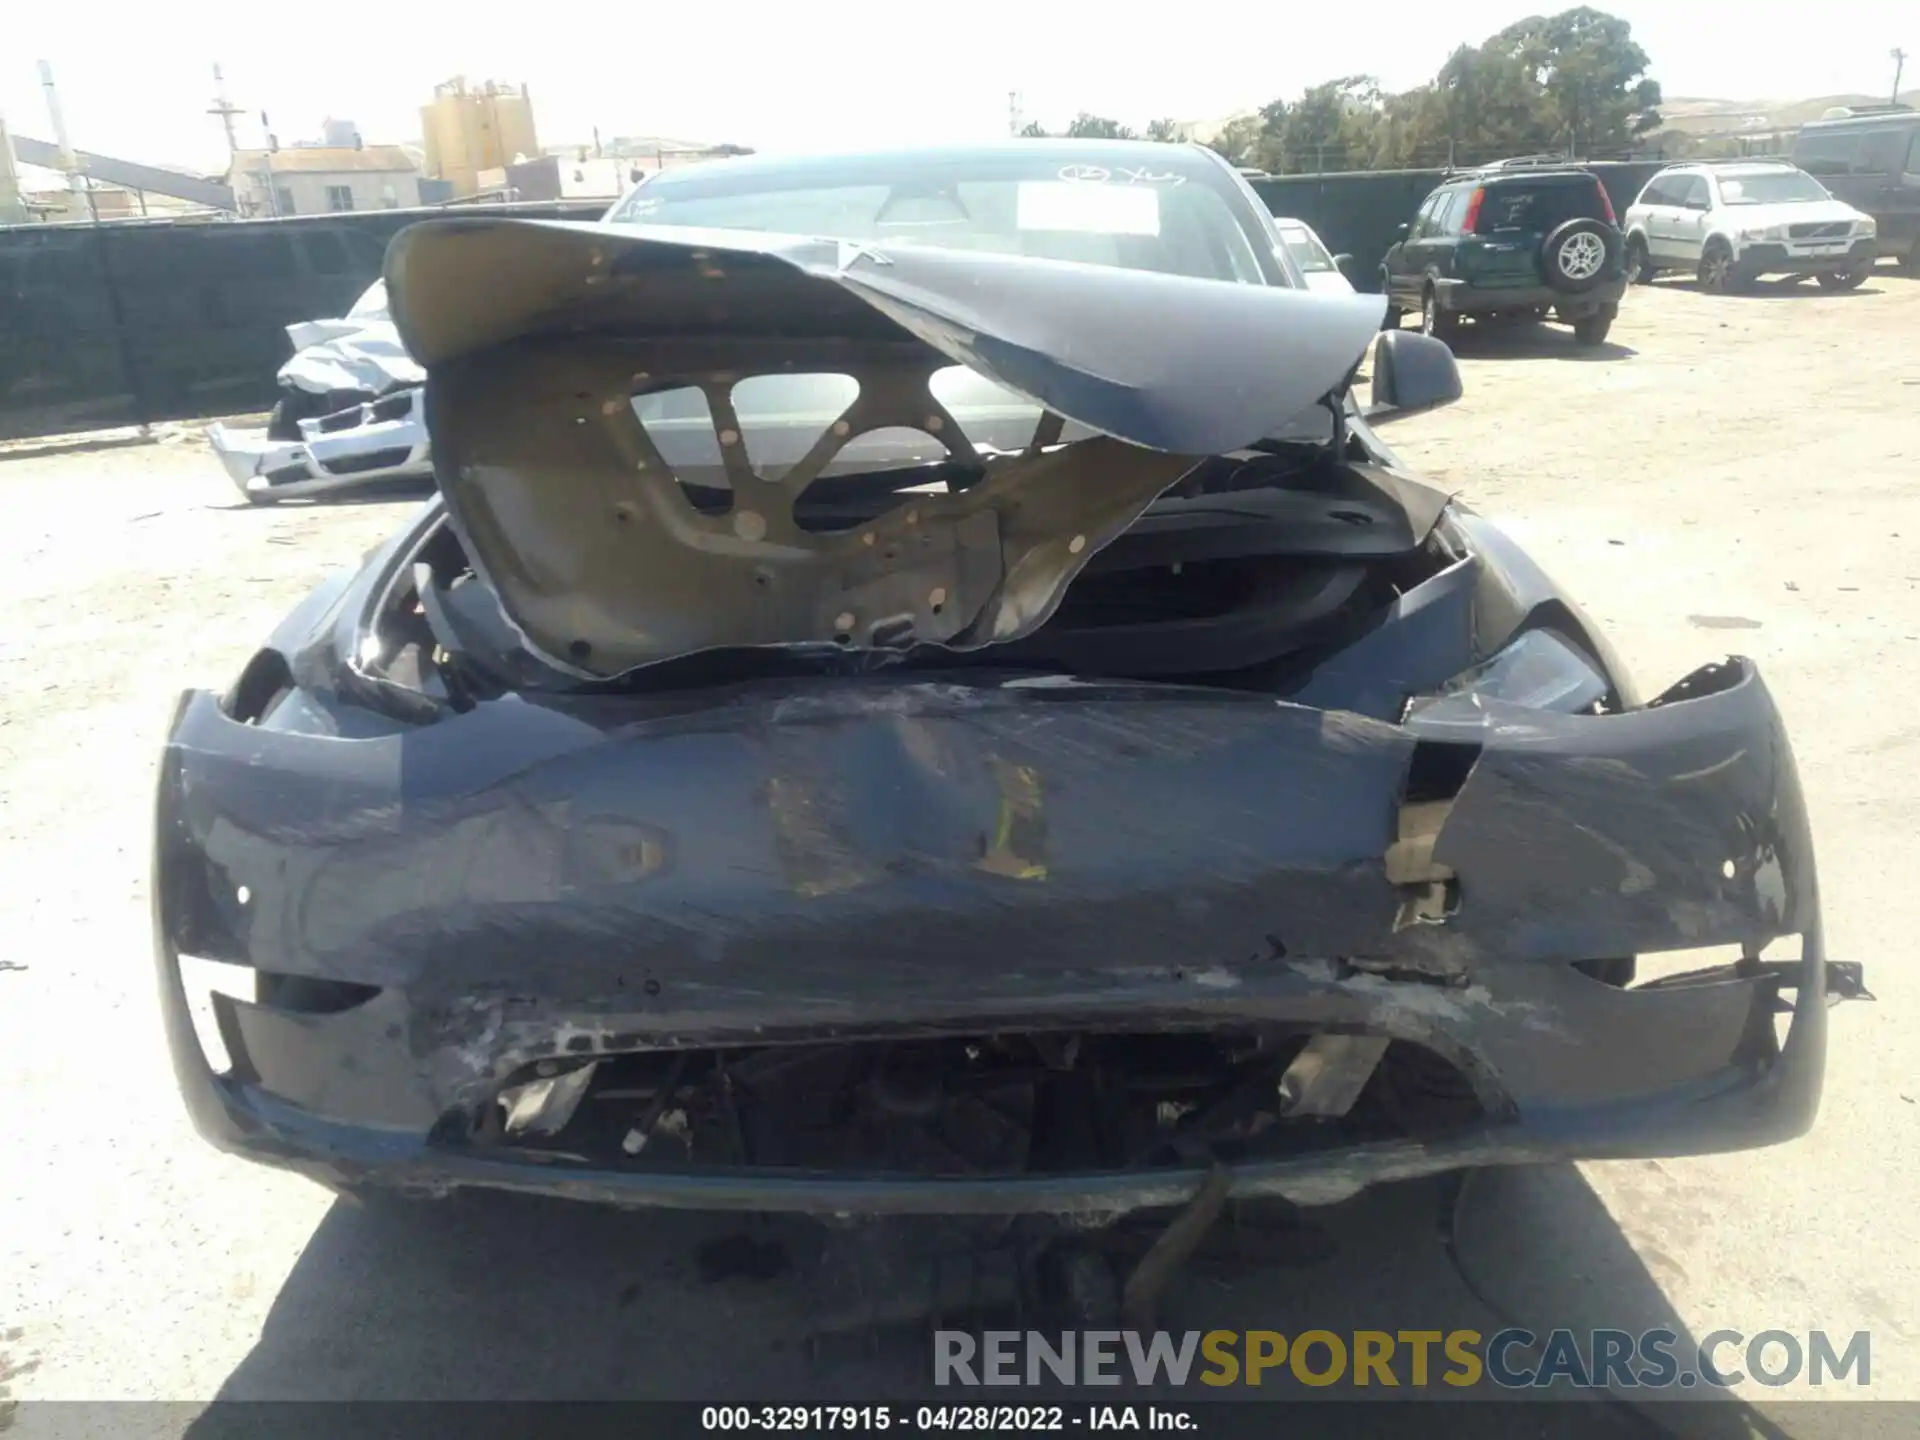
(1730, 474)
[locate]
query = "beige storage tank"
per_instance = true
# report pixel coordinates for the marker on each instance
(468, 129)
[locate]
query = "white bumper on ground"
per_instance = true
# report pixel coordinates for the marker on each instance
(383, 440)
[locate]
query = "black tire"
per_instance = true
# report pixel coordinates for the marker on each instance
(1391, 320)
(1435, 319)
(1592, 329)
(1910, 262)
(1639, 264)
(1579, 255)
(1851, 278)
(1720, 273)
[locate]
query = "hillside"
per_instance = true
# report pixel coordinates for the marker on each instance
(1699, 117)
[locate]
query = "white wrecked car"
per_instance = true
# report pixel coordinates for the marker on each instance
(349, 413)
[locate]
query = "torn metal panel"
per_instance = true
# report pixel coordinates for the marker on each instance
(1133, 354)
(1648, 830)
(802, 819)
(539, 336)
(545, 1106)
(1327, 1076)
(578, 522)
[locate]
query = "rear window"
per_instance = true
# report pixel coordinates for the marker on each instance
(1537, 206)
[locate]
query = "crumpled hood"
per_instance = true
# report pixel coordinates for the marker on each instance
(537, 336)
(361, 350)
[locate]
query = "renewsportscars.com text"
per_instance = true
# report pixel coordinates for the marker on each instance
(1511, 1358)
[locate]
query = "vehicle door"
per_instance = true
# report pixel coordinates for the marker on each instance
(1900, 222)
(1692, 218)
(1407, 261)
(1878, 183)
(1660, 202)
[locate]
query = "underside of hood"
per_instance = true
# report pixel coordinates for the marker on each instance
(546, 344)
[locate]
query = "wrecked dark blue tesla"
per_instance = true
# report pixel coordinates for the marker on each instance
(958, 712)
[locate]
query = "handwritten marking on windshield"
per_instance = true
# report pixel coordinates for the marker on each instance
(1125, 175)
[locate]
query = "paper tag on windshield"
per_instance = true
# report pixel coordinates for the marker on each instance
(1088, 208)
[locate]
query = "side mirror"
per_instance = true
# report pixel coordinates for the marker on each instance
(1411, 373)
(1400, 230)
(1344, 264)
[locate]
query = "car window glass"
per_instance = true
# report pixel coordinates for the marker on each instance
(1877, 152)
(1828, 153)
(1913, 155)
(1456, 213)
(1423, 218)
(1034, 208)
(1307, 251)
(1694, 194)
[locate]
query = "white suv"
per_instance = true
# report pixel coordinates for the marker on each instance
(1732, 221)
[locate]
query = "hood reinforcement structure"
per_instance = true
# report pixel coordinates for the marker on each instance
(538, 336)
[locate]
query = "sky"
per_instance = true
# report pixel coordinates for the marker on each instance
(137, 83)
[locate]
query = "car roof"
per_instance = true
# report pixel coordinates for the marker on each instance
(1717, 166)
(1160, 157)
(1525, 167)
(1870, 118)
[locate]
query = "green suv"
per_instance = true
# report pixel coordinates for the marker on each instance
(1514, 241)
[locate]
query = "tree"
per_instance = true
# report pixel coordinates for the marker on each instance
(1591, 73)
(1097, 127)
(1331, 127)
(1165, 131)
(1033, 130)
(1238, 142)
(1489, 106)
(1574, 82)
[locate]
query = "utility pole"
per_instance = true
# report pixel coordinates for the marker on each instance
(76, 179)
(1013, 113)
(226, 110)
(1899, 58)
(266, 156)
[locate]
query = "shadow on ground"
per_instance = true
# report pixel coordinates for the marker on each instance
(370, 492)
(508, 1298)
(1531, 341)
(1782, 288)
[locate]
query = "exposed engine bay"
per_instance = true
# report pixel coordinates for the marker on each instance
(1043, 1103)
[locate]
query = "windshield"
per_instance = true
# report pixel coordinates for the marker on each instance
(1771, 187)
(1305, 248)
(1176, 222)
(1184, 218)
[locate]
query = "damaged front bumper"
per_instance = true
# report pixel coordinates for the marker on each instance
(440, 914)
(379, 440)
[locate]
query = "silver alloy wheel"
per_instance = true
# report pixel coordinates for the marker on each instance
(1715, 269)
(1581, 255)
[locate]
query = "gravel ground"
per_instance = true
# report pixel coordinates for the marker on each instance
(1728, 474)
